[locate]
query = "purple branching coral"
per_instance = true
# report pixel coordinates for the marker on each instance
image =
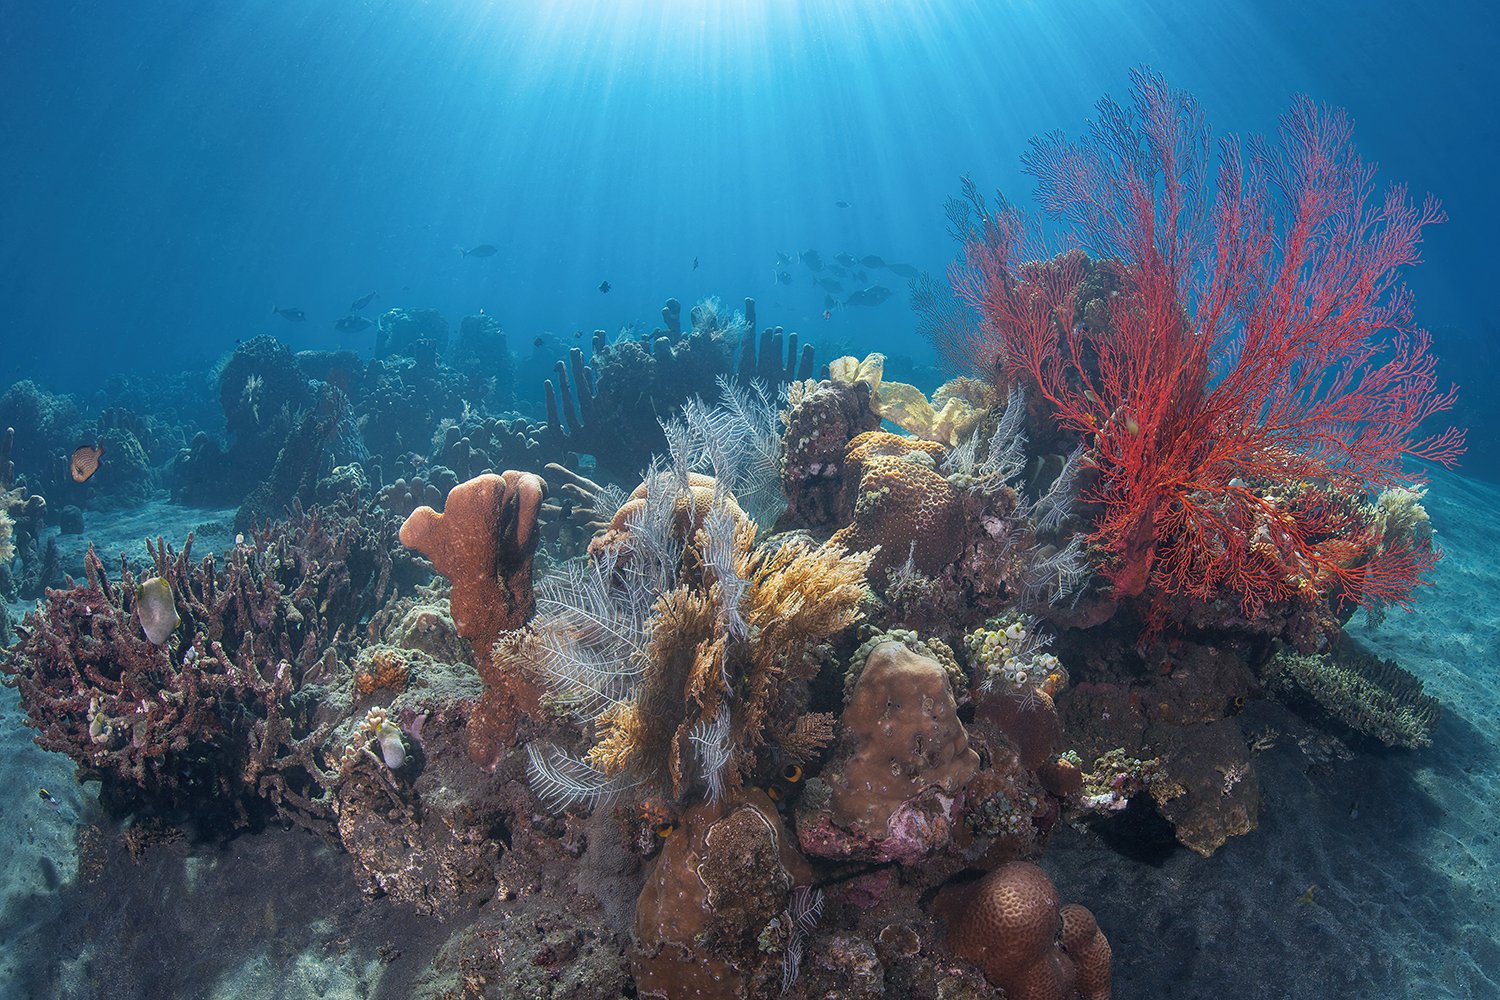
(222, 717)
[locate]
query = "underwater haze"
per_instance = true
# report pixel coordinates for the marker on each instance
(749, 498)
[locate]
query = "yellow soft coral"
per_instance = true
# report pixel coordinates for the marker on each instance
(945, 420)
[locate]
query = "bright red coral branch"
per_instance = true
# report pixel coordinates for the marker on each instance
(1229, 345)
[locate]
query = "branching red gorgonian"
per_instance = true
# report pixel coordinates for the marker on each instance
(1240, 355)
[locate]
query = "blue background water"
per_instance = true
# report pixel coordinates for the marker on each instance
(172, 170)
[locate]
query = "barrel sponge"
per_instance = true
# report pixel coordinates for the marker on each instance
(909, 737)
(1087, 947)
(903, 504)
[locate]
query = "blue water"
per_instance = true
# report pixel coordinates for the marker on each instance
(174, 170)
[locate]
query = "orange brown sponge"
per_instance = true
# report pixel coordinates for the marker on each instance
(484, 542)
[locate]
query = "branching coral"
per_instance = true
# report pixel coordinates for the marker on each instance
(1369, 695)
(217, 716)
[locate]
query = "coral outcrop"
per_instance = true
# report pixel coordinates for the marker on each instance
(721, 896)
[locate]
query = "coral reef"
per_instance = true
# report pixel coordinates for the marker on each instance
(411, 333)
(786, 692)
(215, 723)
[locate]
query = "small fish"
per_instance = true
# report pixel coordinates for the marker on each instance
(604, 286)
(783, 278)
(829, 302)
(842, 204)
(905, 271)
(156, 610)
(482, 250)
(828, 314)
(291, 315)
(783, 259)
(664, 830)
(830, 284)
(695, 263)
(577, 334)
(361, 302)
(537, 342)
(1307, 894)
(846, 258)
(353, 324)
(812, 259)
(871, 261)
(47, 797)
(85, 461)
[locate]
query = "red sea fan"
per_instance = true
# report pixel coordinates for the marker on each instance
(1240, 354)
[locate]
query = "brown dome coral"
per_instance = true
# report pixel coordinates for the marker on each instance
(894, 789)
(1011, 926)
(903, 504)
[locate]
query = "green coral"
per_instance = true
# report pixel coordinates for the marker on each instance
(1369, 695)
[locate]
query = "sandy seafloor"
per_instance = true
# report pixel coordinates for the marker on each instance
(1401, 849)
